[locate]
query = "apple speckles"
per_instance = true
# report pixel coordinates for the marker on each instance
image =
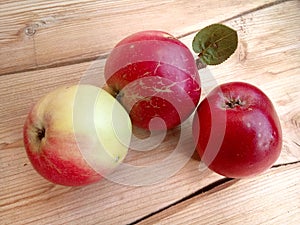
(273, 135)
(158, 65)
(249, 125)
(154, 105)
(162, 90)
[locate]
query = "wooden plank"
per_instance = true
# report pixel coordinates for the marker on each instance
(102, 203)
(35, 34)
(27, 198)
(272, 198)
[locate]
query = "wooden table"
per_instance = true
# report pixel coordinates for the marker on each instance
(47, 44)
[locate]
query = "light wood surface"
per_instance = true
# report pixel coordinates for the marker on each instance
(228, 204)
(46, 44)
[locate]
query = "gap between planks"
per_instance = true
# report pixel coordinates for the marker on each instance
(208, 188)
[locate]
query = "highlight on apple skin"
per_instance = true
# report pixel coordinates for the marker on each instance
(75, 135)
(237, 130)
(154, 75)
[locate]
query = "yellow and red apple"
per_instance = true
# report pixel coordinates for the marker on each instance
(76, 135)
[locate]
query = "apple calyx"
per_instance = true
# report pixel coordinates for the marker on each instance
(232, 103)
(41, 132)
(37, 136)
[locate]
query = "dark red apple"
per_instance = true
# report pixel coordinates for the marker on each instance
(154, 75)
(237, 130)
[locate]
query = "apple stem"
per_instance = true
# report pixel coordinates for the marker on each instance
(200, 64)
(110, 90)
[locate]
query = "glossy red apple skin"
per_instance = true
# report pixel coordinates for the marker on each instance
(154, 75)
(237, 130)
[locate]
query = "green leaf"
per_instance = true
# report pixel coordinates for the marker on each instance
(215, 43)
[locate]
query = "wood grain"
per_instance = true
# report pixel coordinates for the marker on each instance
(265, 57)
(250, 201)
(36, 34)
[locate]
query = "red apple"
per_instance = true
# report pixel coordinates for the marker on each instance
(76, 135)
(237, 130)
(154, 75)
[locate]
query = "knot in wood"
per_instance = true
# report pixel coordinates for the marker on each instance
(30, 30)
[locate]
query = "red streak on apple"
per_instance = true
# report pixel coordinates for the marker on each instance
(56, 155)
(237, 130)
(154, 75)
